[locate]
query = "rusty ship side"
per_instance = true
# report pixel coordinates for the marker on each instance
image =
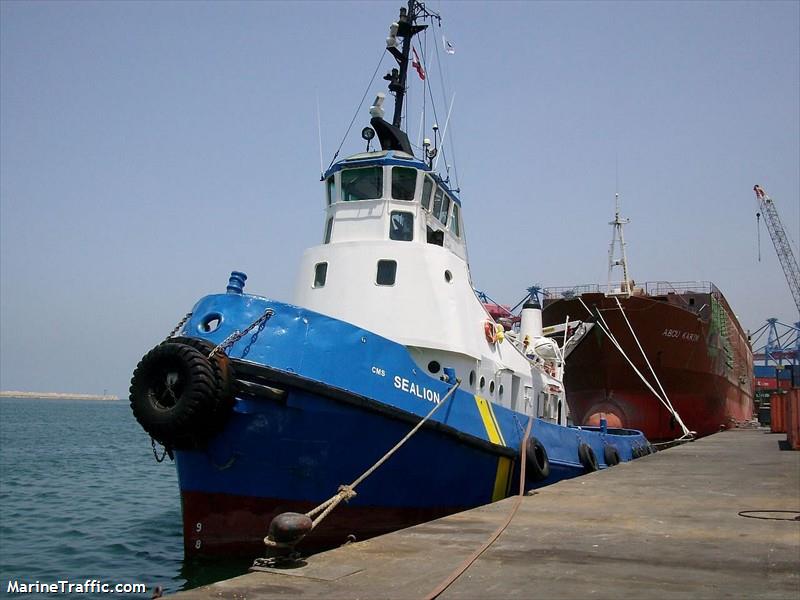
(692, 339)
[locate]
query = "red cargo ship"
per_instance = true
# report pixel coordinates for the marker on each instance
(690, 336)
(682, 338)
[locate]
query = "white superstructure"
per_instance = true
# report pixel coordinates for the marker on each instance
(393, 260)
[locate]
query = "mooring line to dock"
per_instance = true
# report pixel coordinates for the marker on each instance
(346, 492)
(461, 569)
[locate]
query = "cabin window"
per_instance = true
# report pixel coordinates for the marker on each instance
(362, 184)
(401, 226)
(387, 272)
(437, 202)
(444, 210)
(320, 274)
(427, 190)
(328, 230)
(454, 228)
(404, 183)
(330, 188)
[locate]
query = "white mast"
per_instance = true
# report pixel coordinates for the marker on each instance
(625, 287)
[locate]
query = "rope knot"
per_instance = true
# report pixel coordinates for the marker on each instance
(347, 492)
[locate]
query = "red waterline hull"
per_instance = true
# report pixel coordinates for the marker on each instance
(693, 342)
(231, 525)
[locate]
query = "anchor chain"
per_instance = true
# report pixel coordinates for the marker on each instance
(229, 341)
(178, 327)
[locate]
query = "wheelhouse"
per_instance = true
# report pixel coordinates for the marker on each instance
(391, 195)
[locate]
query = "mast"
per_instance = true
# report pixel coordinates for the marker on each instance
(617, 234)
(406, 29)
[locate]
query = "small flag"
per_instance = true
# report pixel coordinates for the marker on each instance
(417, 64)
(449, 47)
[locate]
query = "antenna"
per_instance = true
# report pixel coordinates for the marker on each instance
(319, 134)
(625, 287)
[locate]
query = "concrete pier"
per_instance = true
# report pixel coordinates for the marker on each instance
(663, 526)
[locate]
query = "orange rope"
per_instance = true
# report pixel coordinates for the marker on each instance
(517, 501)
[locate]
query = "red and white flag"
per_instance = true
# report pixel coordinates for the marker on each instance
(415, 62)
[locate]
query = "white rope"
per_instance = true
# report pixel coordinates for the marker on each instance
(604, 328)
(349, 491)
(647, 361)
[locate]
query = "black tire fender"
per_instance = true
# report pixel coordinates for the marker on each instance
(587, 457)
(611, 456)
(537, 464)
(173, 395)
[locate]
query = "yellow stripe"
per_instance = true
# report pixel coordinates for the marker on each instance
(503, 479)
(489, 421)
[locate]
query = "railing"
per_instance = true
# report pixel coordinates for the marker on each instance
(651, 288)
(553, 293)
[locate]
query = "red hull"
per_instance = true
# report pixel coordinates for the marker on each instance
(229, 525)
(695, 345)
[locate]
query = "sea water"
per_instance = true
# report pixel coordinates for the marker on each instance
(82, 498)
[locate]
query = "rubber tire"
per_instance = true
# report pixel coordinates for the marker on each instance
(611, 456)
(222, 375)
(537, 464)
(587, 458)
(186, 423)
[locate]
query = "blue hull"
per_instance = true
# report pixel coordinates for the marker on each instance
(348, 396)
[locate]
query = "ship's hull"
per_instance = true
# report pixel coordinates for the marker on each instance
(694, 344)
(346, 397)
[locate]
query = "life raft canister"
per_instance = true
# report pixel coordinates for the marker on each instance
(178, 396)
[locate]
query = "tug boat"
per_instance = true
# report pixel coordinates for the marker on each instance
(268, 406)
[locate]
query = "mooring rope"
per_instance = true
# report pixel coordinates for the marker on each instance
(685, 429)
(346, 492)
(607, 330)
(458, 572)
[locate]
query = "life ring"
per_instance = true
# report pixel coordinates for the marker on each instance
(611, 456)
(587, 457)
(490, 332)
(173, 396)
(537, 464)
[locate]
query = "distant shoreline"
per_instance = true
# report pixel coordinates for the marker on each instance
(56, 396)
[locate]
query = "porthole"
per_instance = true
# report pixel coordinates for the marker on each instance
(500, 391)
(483, 383)
(434, 366)
(448, 276)
(491, 387)
(472, 378)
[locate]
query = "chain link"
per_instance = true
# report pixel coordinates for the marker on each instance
(155, 453)
(229, 341)
(178, 327)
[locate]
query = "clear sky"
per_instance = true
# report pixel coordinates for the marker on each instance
(149, 148)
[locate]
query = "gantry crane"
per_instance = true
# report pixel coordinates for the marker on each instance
(781, 242)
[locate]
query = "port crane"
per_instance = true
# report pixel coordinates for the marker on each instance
(781, 242)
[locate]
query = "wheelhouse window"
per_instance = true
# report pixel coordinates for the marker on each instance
(404, 183)
(437, 202)
(330, 189)
(444, 209)
(427, 190)
(362, 184)
(454, 226)
(328, 230)
(401, 226)
(320, 274)
(387, 272)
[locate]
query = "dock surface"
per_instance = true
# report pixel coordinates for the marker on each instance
(663, 526)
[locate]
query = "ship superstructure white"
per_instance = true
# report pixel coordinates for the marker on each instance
(393, 260)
